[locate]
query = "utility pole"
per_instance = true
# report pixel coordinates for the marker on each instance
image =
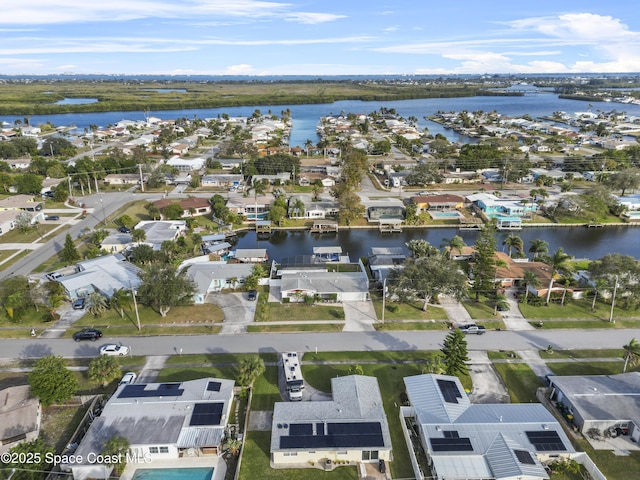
(384, 296)
(135, 306)
(141, 179)
(613, 300)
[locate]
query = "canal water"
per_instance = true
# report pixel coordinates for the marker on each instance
(580, 242)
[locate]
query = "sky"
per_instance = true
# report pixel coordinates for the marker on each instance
(328, 37)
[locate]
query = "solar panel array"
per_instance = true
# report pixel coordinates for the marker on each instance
(545, 440)
(214, 386)
(140, 391)
(449, 390)
(337, 435)
(451, 444)
(206, 414)
(524, 457)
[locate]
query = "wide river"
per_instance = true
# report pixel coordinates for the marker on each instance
(580, 242)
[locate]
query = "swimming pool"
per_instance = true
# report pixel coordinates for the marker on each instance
(445, 215)
(173, 474)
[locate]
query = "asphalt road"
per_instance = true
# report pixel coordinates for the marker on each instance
(307, 342)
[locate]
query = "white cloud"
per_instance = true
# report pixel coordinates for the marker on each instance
(243, 69)
(312, 18)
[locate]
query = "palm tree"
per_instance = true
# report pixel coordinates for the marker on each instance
(233, 446)
(599, 286)
(454, 243)
(538, 247)
(251, 367)
(530, 280)
(631, 354)
(138, 235)
(513, 241)
(500, 303)
(96, 303)
(121, 299)
(558, 261)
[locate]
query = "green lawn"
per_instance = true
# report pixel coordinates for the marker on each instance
(580, 309)
(255, 464)
(372, 356)
(590, 353)
(520, 380)
(216, 358)
(613, 466)
(407, 311)
(588, 368)
(502, 355)
(423, 325)
(266, 328)
(481, 310)
(181, 374)
(265, 390)
(277, 312)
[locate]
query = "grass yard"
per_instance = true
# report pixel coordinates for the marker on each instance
(325, 327)
(372, 356)
(407, 311)
(265, 390)
(182, 374)
(219, 359)
(59, 423)
(481, 310)
(282, 312)
(589, 368)
(613, 466)
(520, 380)
(590, 353)
(555, 323)
(579, 309)
(409, 325)
(502, 355)
(255, 462)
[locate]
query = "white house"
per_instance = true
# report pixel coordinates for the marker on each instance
(215, 276)
(161, 421)
(187, 164)
(332, 286)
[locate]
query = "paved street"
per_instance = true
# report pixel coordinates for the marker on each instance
(305, 342)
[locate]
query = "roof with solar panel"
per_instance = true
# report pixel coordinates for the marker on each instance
(467, 440)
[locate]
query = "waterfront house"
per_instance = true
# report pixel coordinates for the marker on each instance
(251, 207)
(384, 259)
(160, 421)
(159, 231)
(350, 428)
(296, 284)
(490, 441)
(191, 207)
(250, 255)
(438, 202)
(384, 209)
(214, 276)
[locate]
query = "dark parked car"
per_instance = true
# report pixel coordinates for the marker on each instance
(87, 334)
(124, 229)
(253, 295)
(52, 217)
(78, 303)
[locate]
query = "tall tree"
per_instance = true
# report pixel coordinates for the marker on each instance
(558, 262)
(51, 381)
(96, 304)
(530, 279)
(121, 300)
(427, 277)
(538, 247)
(454, 350)
(420, 248)
(484, 262)
(513, 242)
(631, 354)
(69, 254)
(453, 244)
(38, 454)
(163, 287)
(115, 449)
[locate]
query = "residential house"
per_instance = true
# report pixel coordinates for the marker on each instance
(321, 209)
(510, 272)
(191, 207)
(160, 421)
(282, 177)
(27, 203)
(215, 276)
(351, 427)
(8, 220)
(444, 201)
(105, 275)
(480, 441)
(384, 209)
(116, 242)
(251, 255)
(221, 180)
(601, 402)
(187, 165)
(253, 208)
(159, 231)
(338, 286)
(383, 260)
(29, 131)
(122, 179)
(20, 417)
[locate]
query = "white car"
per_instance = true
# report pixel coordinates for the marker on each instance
(129, 377)
(113, 349)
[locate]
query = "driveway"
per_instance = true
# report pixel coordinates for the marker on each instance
(359, 316)
(68, 316)
(487, 385)
(237, 309)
